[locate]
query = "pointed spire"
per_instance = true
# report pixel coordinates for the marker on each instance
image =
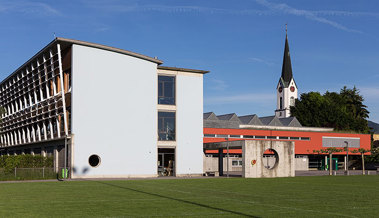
(286, 68)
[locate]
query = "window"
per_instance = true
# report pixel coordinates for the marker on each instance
(271, 137)
(283, 137)
(237, 163)
(281, 103)
(248, 136)
(94, 160)
(292, 101)
(210, 135)
(166, 126)
(294, 138)
(166, 90)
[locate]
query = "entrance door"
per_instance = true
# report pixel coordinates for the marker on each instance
(166, 162)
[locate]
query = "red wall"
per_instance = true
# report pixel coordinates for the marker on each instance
(301, 147)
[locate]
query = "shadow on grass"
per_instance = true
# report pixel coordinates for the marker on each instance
(176, 199)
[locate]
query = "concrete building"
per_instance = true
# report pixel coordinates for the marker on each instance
(111, 112)
(259, 158)
(230, 127)
(281, 127)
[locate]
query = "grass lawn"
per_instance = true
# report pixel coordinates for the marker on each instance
(326, 196)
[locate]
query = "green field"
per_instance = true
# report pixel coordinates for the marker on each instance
(327, 196)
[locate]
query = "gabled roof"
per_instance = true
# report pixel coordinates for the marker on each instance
(270, 121)
(210, 116)
(286, 67)
(229, 117)
(250, 120)
(290, 121)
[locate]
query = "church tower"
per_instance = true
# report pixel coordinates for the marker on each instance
(286, 89)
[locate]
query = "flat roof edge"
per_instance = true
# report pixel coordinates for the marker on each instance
(78, 42)
(109, 48)
(183, 69)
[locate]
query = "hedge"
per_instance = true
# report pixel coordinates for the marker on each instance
(25, 161)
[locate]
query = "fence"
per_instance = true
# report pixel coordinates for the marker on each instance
(28, 174)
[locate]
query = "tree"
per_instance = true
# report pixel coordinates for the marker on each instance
(341, 111)
(329, 151)
(362, 151)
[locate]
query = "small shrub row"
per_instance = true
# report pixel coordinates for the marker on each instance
(25, 161)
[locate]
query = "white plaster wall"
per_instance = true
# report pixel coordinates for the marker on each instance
(286, 95)
(189, 120)
(114, 113)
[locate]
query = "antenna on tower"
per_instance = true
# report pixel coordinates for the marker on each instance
(286, 28)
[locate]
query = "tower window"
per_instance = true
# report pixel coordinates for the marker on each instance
(292, 101)
(281, 103)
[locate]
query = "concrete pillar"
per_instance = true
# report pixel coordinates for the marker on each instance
(345, 163)
(221, 161)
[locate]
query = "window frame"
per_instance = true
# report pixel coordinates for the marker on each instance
(174, 92)
(175, 125)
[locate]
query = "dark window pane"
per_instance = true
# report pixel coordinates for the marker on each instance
(248, 136)
(166, 90)
(160, 88)
(166, 126)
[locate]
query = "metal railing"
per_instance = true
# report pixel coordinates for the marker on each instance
(27, 174)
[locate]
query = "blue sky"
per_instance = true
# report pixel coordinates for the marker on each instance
(332, 43)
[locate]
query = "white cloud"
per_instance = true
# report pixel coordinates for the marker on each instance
(284, 8)
(120, 6)
(257, 98)
(346, 13)
(28, 7)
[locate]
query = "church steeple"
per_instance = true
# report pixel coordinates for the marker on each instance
(287, 67)
(286, 88)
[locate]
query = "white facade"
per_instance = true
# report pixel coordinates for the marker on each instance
(114, 113)
(80, 100)
(189, 151)
(189, 122)
(286, 96)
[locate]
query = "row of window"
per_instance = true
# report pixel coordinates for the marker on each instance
(166, 120)
(39, 131)
(37, 95)
(257, 137)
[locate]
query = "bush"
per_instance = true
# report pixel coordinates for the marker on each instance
(25, 161)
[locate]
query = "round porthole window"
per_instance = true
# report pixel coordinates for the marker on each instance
(94, 160)
(270, 159)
